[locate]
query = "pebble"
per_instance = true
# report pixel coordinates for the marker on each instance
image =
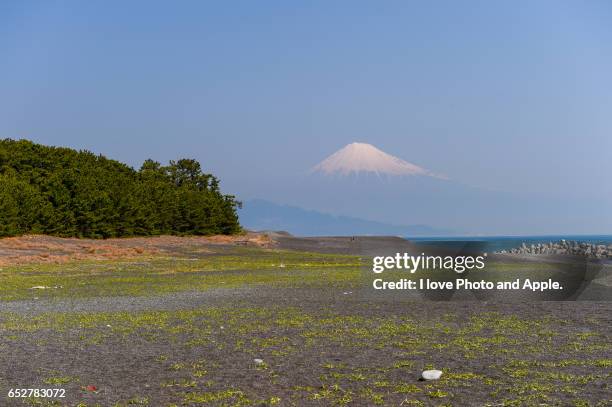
(431, 374)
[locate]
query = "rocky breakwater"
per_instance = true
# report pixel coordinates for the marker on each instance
(566, 247)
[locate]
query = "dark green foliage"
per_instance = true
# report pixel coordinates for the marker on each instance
(63, 192)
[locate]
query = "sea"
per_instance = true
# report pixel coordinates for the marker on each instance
(498, 243)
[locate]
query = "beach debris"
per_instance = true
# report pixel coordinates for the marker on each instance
(91, 387)
(45, 287)
(431, 374)
(282, 265)
(347, 292)
(258, 361)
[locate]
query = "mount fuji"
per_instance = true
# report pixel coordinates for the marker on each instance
(358, 158)
(361, 189)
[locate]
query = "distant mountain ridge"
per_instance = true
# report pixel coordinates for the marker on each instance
(259, 214)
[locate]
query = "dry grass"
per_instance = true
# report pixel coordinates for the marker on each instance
(49, 249)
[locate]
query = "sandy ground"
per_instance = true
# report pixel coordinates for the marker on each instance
(143, 364)
(320, 346)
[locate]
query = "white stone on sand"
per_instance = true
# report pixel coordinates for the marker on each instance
(431, 374)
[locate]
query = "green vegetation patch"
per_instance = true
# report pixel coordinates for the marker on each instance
(193, 271)
(364, 359)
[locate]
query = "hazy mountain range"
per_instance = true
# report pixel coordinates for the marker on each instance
(357, 182)
(263, 215)
(361, 189)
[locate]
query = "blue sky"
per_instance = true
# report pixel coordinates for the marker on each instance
(512, 97)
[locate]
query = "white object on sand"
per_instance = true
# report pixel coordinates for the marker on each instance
(431, 374)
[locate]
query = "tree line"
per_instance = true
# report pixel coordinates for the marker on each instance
(64, 192)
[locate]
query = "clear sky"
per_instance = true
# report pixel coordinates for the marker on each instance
(505, 96)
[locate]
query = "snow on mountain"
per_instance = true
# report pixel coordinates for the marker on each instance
(358, 158)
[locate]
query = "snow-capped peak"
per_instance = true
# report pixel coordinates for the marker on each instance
(355, 158)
